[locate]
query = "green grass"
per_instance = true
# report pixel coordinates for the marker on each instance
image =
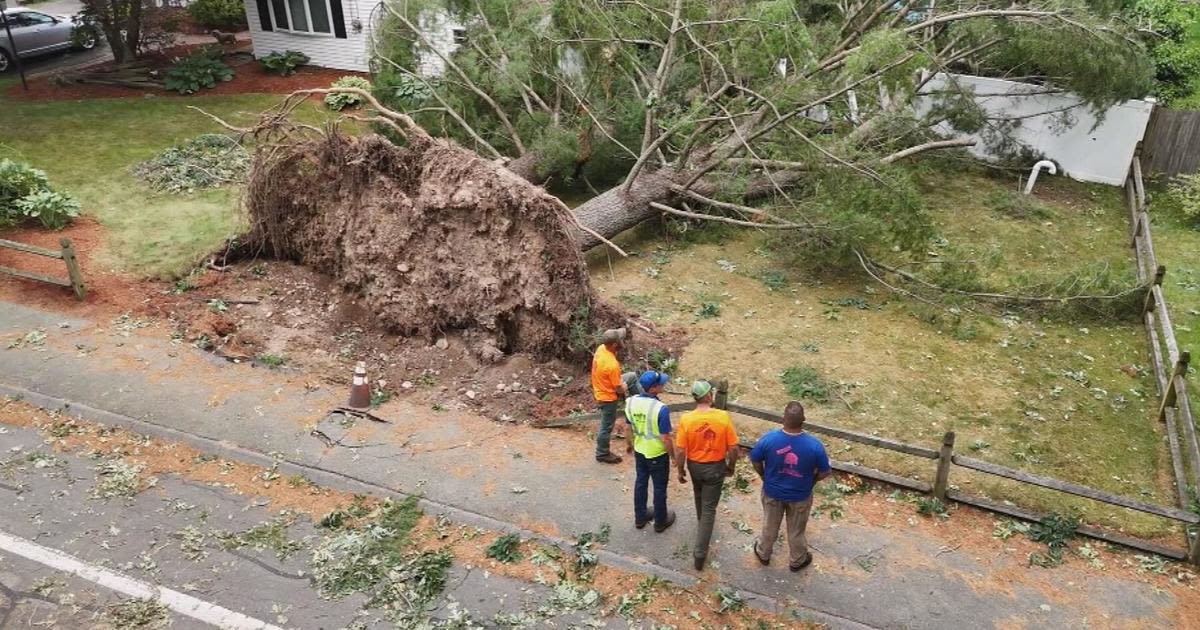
(88, 147)
(1063, 394)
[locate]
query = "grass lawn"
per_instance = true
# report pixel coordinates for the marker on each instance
(87, 149)
(1069, 398)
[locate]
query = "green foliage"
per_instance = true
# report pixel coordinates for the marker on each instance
(1055, 530)
(585, 553)
(1017, 205)
(932, 506)
(1183, 197)
(283, 63)
(269, 536)
(55, 210)
(1173, 40)
(803, 382)
(195, 72)
(582, 335)
(506, 549)
(205, 161)
(272, 360)
(708, 310)
(25, 194)
(557, 149)
(729, 600)
(339, 101)
(218, 14)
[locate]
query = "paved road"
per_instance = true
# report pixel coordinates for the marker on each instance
(167, 537)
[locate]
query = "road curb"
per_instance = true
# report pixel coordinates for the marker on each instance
(349, 483)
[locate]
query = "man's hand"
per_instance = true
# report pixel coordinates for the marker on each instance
(629, 446)
(682, 476)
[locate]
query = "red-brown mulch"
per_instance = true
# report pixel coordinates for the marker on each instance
(249, 78)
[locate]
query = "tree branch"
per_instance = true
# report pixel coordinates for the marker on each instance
(929, 146)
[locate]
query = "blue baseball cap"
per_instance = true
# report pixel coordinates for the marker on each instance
(650, 378)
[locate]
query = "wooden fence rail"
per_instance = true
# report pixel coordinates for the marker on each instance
(941, 489)
(74, 279)
(1174, 408)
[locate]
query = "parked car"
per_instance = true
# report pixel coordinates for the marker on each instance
(37, 33)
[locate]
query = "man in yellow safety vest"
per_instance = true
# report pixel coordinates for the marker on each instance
(650, 423)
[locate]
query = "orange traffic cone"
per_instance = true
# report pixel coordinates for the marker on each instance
(360, 392)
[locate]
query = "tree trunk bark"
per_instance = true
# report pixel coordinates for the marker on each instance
(526, 167)
(615, 210)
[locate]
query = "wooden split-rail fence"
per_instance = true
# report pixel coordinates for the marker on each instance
(1169, 362)
(74, 280)
(944, 460)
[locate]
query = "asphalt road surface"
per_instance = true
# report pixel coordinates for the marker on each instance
(70, 558)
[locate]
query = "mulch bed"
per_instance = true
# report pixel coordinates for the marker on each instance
(249, 78)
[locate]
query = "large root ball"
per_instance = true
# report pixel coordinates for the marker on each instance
(433, 237)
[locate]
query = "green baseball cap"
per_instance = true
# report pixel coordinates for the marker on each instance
(700, 389)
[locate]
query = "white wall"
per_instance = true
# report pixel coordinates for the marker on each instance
(323, 50)
(1098, 155)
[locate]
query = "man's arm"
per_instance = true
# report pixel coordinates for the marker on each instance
(758, 468)
(823, 469)
(731, 458)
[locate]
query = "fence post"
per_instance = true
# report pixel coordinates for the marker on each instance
(1194, 550)
(68, 254)
(1170, 397)
(1149, 304)
(721, 401)
(942, 480)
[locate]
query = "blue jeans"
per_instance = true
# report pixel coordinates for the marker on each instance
(658, 470)
(608, 417)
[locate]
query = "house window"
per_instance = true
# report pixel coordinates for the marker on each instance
(302, 16)
(460, 35)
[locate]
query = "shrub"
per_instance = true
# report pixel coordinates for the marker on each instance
(284, 63)
(54, 210)
(340, 100)
(197, 71)
(1183, 195)
(221, 14)
(205, 161)
(25, 193)
(18, 180)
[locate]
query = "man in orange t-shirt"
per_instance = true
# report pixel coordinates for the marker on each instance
(705, 440)
(608, 389)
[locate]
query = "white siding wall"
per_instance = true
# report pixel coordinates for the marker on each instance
(352, 53)
(1087, 151)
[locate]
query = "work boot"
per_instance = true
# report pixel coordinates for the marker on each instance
(698, 562)
(660, 528)
(803, 563)
(609, 458)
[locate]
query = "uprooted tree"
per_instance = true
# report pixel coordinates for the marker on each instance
(431, 236)
(780, 115)
(777, 114)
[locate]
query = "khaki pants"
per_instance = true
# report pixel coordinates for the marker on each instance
(796, 514)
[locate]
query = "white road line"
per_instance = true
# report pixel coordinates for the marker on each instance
(183, 604)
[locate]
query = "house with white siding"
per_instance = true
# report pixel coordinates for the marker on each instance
(336, 33)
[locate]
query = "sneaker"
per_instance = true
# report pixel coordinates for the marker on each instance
(670, 521)
(609, 458)
(803, 563)
(761, 560)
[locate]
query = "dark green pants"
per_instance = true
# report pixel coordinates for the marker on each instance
(707, 481)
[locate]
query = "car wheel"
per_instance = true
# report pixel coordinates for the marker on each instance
(5, 61)
(86, 39)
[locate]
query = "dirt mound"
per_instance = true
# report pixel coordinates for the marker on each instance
(433, 237)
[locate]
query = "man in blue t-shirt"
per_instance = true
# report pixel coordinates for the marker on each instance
(790, 462)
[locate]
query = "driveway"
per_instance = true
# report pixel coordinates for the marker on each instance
(56, 62)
